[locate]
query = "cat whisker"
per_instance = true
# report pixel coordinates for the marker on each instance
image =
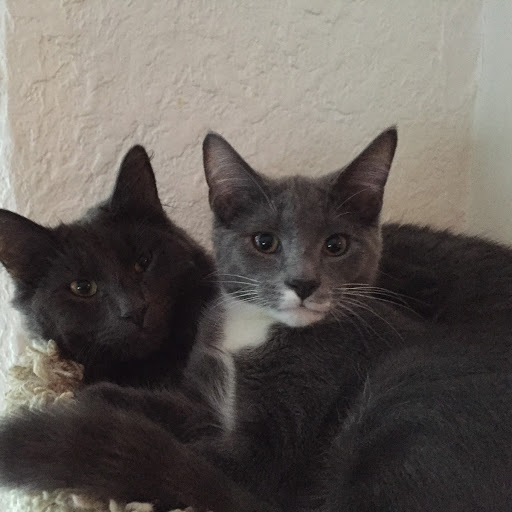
(362, 322)
(256, 302)
(242, 294)
(343, 315)
(225, 274)
(240, 277)
(368, 329)
(349, 198)
(343, 214)
(371, 296)
(381, 291)
(265, 195)
(368, 308)
(226, 299)
(255, 181)
(374, 290)
(243, 283)
(245, 295)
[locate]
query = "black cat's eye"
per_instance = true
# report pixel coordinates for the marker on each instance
(266, 242)
(83, 288)
(336, 245)
(143, 263)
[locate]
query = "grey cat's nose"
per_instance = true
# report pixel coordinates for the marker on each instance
(136, 315)
(302, 287)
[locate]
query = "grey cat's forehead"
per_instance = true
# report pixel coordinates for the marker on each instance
(300, 186)
(299, 192)
(298, 203)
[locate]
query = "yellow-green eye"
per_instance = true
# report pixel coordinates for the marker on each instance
(336, 245)
(266, 242)
(83, 288)
(142, 263)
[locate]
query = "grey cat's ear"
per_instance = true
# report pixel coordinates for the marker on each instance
(135, 187)
(25, 246)
(233, 186)
(360, 185)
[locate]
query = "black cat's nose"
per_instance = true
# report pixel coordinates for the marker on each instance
(302, 287)
(135, 315)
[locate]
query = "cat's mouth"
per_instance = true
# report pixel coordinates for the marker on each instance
(319, 307)
(302, 315)
(297, 312)
(308, 305)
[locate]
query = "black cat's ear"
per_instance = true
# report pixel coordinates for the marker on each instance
(135, 188)
(25, 247)
(233, 186)
(360, 185)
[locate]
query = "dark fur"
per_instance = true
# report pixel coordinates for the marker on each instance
(415, 439)
(447, 277)
(431, 431)
(372, 411)
(139, 327)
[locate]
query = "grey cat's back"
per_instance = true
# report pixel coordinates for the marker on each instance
(445, 276)
(430, 431)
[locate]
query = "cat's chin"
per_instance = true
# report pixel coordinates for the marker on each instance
(299, 316)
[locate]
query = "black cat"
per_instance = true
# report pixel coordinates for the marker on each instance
(120, 290)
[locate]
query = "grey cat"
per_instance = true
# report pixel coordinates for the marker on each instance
(120, 290)
(303, 392)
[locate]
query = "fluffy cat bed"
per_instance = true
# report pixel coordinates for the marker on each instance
(40, 379)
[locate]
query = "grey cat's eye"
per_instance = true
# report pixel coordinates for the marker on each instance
(266, 242)
(143, 263)
(83, 288)
(336, 245)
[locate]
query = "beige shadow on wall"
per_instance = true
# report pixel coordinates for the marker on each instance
(490, 201)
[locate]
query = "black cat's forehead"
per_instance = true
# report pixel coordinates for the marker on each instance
(102, 243)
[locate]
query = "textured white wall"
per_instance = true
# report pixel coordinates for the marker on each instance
(295, 86)
(490, 207)
(10, 332)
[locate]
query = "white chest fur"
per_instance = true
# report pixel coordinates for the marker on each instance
(245, 326)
